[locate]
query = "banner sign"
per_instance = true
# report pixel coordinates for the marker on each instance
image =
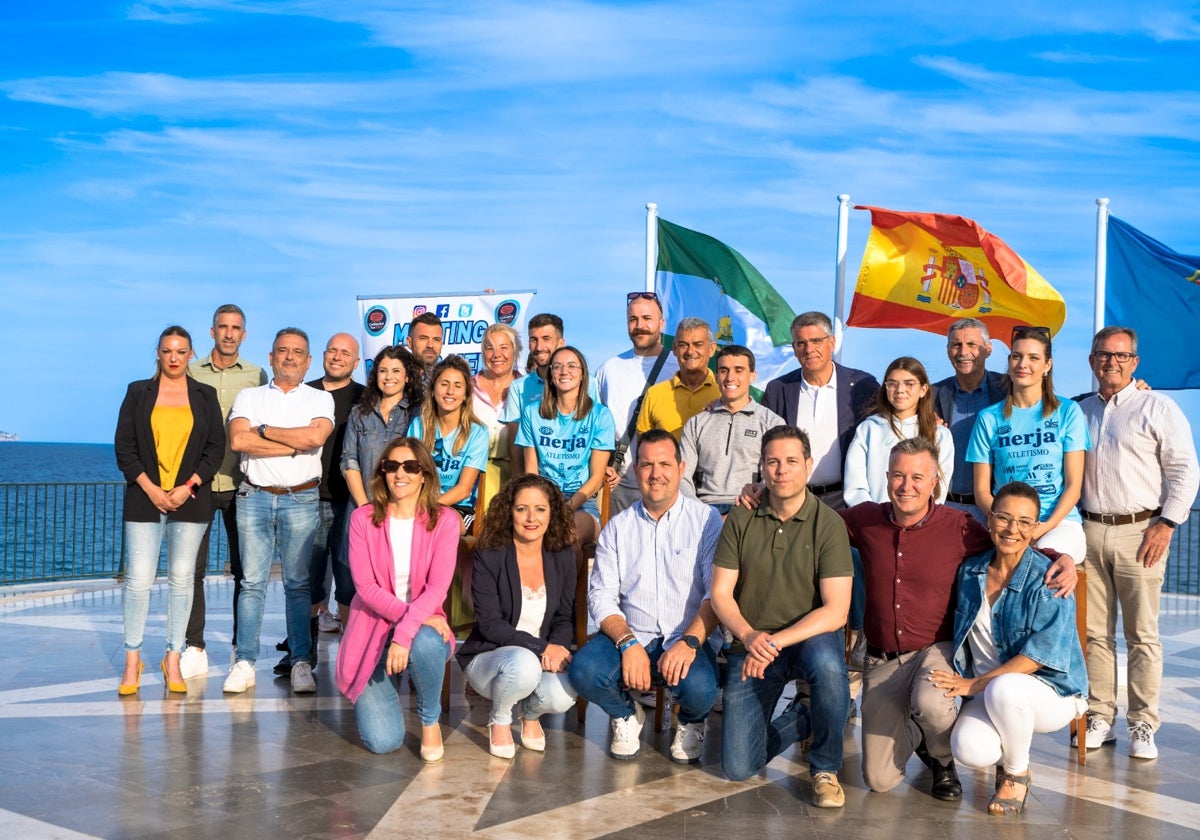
(385, 320)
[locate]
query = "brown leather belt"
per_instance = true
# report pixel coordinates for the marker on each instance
(1120, 518)
(283, 491)
(887, 655)
(961, 498)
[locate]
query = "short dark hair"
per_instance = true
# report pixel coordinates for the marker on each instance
(427, 318)
(1109, 332)
(229, 309)
(1018, 490)
(296, 331)
(658, 436)
(735, 350)
(786, 432)
(546, 319)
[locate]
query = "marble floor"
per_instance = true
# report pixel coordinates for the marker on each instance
(78, 761)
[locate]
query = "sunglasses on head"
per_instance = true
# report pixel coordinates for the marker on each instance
(1030, 332)
(632, 296)
(411, 466)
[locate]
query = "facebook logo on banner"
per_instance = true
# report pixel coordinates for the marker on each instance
(443, 310)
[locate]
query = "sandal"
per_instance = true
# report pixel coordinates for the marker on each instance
(1000, 806)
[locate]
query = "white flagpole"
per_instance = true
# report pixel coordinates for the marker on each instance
(651, 242)
(839, 286)
(1101, 262)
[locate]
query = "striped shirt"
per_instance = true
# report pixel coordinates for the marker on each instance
(1142, 455)
(655, 573)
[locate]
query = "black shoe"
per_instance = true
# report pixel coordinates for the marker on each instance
(946, 785)
(284, 666)
(282, 646)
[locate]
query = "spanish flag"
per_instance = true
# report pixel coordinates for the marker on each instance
(926, 270)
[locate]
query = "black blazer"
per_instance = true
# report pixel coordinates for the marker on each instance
(496, 593)
(856, 394)
(134, 445)
(994, 384)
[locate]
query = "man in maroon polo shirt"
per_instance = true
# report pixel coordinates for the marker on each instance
(911, 549)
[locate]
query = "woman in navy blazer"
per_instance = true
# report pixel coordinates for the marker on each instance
(169, 443)
(523, 588)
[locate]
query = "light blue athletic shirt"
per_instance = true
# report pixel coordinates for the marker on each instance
(564, 445)
(450, 465)
(1027, 447)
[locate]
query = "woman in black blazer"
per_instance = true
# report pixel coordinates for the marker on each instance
(169, 443)
(523, 588)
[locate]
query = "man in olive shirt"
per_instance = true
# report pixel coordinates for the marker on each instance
(781, 585)
(229, 373)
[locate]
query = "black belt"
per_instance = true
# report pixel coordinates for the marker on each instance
(822, 489)
(1120, 518)
(283, 491)
(886, 655)
(961, 498)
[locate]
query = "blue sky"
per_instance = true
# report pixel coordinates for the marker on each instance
(159, 159)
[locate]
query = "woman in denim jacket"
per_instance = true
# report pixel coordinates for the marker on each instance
(390, 400)
(1016, 652)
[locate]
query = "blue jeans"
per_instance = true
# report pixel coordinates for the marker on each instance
(143, 542)
(596, 674)
(513, 675)
(330, 549)
(270, 524)
(377, 710)
(750, 738)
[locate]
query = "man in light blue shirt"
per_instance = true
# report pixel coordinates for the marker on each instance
(649, 595)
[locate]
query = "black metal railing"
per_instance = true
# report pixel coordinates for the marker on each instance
(64, 531)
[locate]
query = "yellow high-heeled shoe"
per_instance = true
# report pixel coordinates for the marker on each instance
(178, 687)
(125, 689)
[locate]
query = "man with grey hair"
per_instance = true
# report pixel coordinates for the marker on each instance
(668, 405)
(959, 398)
(1139, 480)
(279, 429)
(824, 399)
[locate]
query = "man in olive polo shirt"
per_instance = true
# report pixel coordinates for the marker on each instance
(229, 374)
(668, 405)
(781, 585)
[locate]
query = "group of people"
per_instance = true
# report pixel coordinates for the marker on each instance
(933, 529)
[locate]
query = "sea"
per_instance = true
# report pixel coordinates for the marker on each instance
(53, 462)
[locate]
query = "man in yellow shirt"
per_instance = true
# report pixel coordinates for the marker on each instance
(668, 405)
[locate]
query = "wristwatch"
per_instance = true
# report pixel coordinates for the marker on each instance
(1169, 523)
(691, 641)
(262, 431)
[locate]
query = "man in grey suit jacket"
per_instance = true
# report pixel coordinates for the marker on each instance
(824, 399)
(958, 398)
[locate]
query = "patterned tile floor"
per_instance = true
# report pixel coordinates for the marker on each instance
(78, 761)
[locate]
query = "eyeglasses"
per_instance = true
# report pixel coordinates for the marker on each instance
(1024, 525)
(1030, 332)
(411, 466)
(632, 296)
(571, 367)
(802, 344)
(1104, 356)
(901, 385)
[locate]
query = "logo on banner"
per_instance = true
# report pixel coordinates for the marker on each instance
(375, 321)
(443, 310)
(419, 309)
(464, 310)
(507, 311)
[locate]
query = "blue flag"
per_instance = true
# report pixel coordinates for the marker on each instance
(1157, 292)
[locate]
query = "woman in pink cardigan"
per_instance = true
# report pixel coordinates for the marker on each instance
(402, 551)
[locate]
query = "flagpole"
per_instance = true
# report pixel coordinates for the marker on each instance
(839, 287)
(1101, 262)
(651, 241)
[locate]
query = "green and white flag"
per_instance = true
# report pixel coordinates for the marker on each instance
(698, 276)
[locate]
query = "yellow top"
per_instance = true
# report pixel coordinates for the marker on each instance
(172, 426)
(668, 405)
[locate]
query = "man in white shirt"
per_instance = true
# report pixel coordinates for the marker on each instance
(621, 380)
(279, 429)
(1139, 480)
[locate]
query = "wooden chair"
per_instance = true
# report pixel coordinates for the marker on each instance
(1078, 727)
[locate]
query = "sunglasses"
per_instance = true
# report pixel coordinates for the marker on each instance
(1030, 332)
(632, 296)
(411, 466)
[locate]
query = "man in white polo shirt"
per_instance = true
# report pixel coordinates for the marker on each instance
(279, 429)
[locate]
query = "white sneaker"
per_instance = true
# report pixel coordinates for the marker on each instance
(193, 662)
(327, 622)
(689, 741)
(1099, 733)
(241, 677)
(1141, 741)
(302, 678)
(627, 734)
